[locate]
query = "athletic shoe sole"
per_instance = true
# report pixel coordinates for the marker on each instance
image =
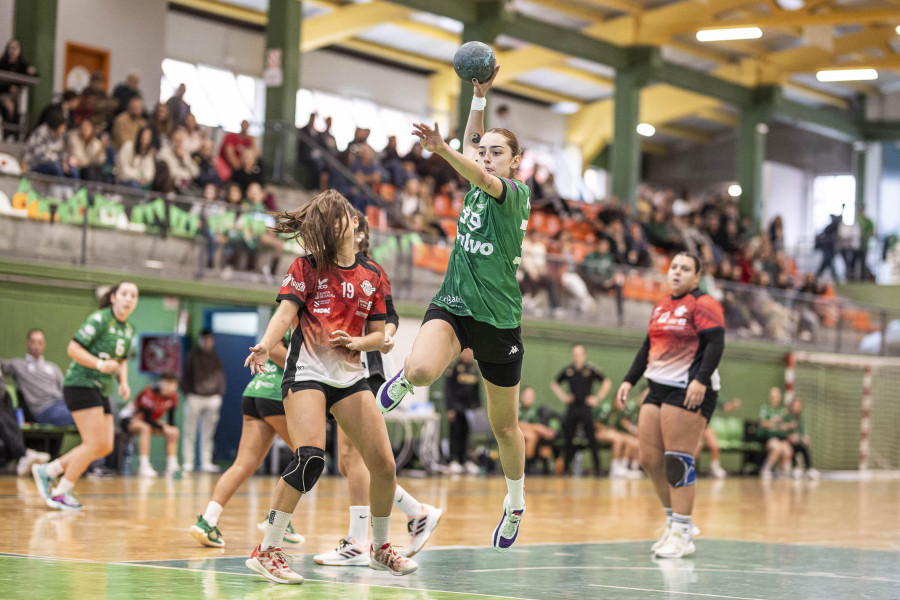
(254, 565)
(200, 535)
(695, 531)
(374, 564)
(687, 552)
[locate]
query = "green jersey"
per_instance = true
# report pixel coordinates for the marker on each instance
(767, 413)
(800, 429)
(529, 415)
(268, 385)
(631, 412)
(105, 337)
(605, 413)
(481, 277)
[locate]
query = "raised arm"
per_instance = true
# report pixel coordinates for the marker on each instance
(475, 124)
(431, 140)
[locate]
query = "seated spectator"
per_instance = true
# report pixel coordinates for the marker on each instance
(538, 436)
(230, 152)
(86, 151)
(13, 62)
(194, 135)
(367, 172)
(182, 167)
(142, 417)
(410, 198)
(12, 442)
(9, 116)
(776, 233)
(257, 198)
(124, 92)
(127, 124)
(421, 163)
(163, 181)
(163, 126)
(67, 106)
(178, 108)
(206, 166)
(623, 448)
(773, 432)
(799, 441)
(210, 207)
(96, 104)
(240, 250)
(45, 150)
(136, 162)
(249, 171)
(627, 427)
(40, 382)
(598, 268)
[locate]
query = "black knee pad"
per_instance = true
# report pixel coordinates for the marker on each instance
(680, 469)
(304, 470)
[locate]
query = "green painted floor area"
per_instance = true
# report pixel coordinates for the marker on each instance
(621, 570)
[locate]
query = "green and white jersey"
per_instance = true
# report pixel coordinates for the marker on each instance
(268, 385)
(481, 277)
(605, 412)
(767, 413)
(105, 337)
(529, 415)
(632, 412)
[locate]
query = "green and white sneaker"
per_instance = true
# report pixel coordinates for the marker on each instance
(43, 481)
(206, 534)
(290, 536)
(392, 392)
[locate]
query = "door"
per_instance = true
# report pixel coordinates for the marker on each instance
(81, 61)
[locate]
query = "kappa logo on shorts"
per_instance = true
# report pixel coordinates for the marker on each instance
(367, 287)
(513, 350)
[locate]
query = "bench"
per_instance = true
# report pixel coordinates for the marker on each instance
(45, 438)
(737, 435)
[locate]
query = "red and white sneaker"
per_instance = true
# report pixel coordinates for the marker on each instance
(420, 529)
(387, 559)
(273, 565)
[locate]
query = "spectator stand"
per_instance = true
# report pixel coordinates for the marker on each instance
(20, 129)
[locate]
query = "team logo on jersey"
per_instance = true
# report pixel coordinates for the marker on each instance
(365, 304)
(681, 311)
(323, 283)
(289, 281)
(473, 246)
(322, 311)
(89, 329)
(656, 311)
(367, 287)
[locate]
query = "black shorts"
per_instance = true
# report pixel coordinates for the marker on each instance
(260, 408)
(666, 394)
(375, 382)
(333, 395)
(499, 352)
(125, 422)
(80, 398)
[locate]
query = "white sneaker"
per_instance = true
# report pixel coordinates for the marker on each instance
(717, 471)
(420, 529)
(634, 474)
(507, 530)
(273, 565)
(797, 473)
(471, 468)
(695, 531)
(765, 474)
(187, 468)
(677, 545)
(147, 471)
(290, 536)
(456, 468)
(813, 474)
(387, 559)
(31, 457)
(347, 553)
(210, 468)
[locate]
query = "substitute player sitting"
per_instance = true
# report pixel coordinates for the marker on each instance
(142, 417)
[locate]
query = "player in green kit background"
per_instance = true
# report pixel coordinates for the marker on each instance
(98, 350)
(479, 304)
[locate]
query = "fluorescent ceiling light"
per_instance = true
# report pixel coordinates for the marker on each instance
(790, 4)
(847, 75)
(565, 108)
(733, 33)
(898, 28)
(734, 190)
(646, 129)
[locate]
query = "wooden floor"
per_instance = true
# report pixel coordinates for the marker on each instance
(856, 526)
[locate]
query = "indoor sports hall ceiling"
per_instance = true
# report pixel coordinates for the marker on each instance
(798, 39)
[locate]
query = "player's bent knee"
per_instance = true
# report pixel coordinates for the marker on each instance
(680, 469)
(305, 468)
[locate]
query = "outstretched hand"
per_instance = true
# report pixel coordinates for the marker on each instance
(430, 139)
(257, 359)
(482, 88)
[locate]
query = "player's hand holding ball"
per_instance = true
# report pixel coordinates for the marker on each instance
(259, 355)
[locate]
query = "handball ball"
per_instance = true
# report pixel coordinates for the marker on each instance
(474, 60)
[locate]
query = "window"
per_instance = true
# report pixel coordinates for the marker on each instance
(833, 195)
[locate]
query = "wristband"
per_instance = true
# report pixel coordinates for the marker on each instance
(478, 103)
(99, 364)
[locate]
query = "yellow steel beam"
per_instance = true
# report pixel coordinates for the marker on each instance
(225, 9)
(345, 22)
(437, 33)
(572, 9)
(530, 91)
(685, 133)
(393, 54)
(717, 116)
(574, 73)
(795, 19)
(625, 6)
(891, 63)
(819, 95)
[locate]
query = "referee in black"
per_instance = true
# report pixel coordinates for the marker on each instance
(580, 378)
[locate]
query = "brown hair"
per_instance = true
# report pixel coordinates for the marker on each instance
(693, 256)
(312, 225)
(513, 142)
(363, 244)
(106, 299)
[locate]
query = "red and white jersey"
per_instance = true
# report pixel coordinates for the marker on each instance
(343, 298)
(675, 325)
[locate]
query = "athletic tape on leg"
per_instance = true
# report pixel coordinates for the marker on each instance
(305, 468)
(680, 469)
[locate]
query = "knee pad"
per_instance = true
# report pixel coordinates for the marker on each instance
(305, 468)
(680, 469)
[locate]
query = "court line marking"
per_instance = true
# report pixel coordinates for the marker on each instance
(695, 570)
(619, 587)
(206, 571)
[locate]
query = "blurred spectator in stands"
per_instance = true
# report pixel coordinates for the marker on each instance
(598, 268)
(163, 181)
(826, 240)
(249, 171)
(773, 433)
(367, 172)
(360, 139)
(410, 197)
(776, 233)
(136, 162)
(194, 135)
(67, 105)
(503, 118)
(420, 162)
(848, 241)
(309, 154)
(39, 381)
(162, 124)
(533, 271)
(261, 204)
(13, 62)
(9, 117)
(86, 151)
(129, 123)
(799, 440)
(638, 254)
(230, 152)
(45, 150)
(614, 231)
(9, 92)
(693, 236)
(240, 251)
(206, 166)
(866, 232)
(178, 108)
(96, 104)
(327, 140)
(181, 165)
(210, 207)
(660, 233)
(392, 164)
(125, 91)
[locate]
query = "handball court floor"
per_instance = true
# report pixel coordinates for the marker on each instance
(581, 538)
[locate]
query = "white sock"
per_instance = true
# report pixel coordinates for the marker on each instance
(668, 517)
(213, 512)
(63, 487)
(171, 463)
(276, 525)
(516, 489)
(55, 469)
(145, 462)
(381, 526)
(405, 502)
(681, 523)
(714, 464)
(359, 524)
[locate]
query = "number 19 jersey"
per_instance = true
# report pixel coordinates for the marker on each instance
(481, 277)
